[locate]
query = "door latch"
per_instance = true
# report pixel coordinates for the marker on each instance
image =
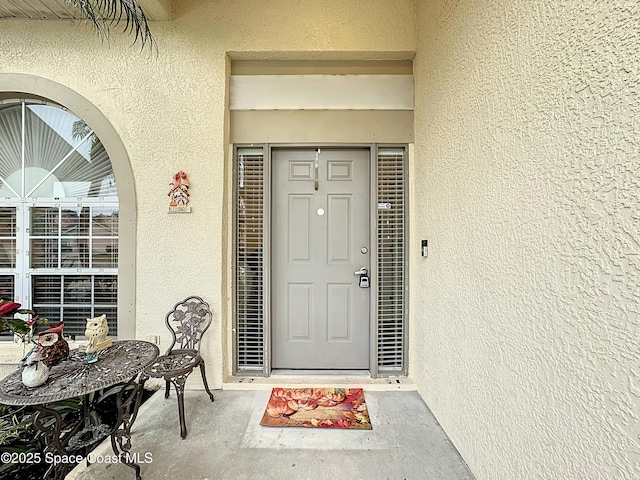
(363, 281)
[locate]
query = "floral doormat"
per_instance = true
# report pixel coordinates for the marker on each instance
(317, 407)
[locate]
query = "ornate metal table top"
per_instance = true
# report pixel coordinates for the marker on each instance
(75, 377)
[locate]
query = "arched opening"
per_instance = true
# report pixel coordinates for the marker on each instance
(67, 207)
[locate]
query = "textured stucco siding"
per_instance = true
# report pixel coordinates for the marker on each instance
(525, 317)
(169, 110)
(526, 314)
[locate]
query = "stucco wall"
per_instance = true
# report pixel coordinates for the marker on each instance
(169, 110)
(526, 327)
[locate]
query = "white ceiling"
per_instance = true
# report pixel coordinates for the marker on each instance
(37, 9)
(64, 9)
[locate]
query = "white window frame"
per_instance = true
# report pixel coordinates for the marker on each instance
(29, 86)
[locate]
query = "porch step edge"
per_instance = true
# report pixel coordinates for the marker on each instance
(292, 381)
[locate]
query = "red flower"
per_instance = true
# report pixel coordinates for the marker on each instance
(9, 308)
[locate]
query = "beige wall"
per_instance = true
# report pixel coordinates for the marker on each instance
(525, 320)
(169, 111)
(526, 326)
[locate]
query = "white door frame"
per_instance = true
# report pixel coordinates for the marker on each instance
(394, 363)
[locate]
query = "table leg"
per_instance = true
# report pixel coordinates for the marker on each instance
(128, 402)
(56, 441)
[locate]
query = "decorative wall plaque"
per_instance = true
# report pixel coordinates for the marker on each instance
(179, 194)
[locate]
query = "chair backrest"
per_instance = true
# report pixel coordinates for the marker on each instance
(187, 322)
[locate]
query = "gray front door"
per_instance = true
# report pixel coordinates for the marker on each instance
(320, 238)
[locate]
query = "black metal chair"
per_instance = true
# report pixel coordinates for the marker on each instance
(188, 321)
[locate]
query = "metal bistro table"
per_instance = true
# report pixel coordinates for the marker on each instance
(123, 362)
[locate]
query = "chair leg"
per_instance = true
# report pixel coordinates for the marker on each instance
(204, 380)
(167, 389)
(179, 384)
(183, 426)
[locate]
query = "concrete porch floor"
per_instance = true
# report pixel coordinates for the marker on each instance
(226, 441)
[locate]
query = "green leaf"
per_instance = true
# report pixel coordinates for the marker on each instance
(104, 13)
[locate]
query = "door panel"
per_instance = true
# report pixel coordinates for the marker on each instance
(320, 316)
(299, 315)
(339, 303)
(299, 229)
(339, 228)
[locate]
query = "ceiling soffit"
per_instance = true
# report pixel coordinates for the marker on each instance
(155, 10)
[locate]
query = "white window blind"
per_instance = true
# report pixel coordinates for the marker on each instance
(249, 267)
(392, 274)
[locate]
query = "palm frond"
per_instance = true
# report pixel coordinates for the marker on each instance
(103, 14)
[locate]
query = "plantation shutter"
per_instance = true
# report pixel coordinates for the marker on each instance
(391, 236)
(249, 328)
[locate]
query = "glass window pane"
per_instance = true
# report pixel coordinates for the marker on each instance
(50, 135)
(7, 253)
(78, 302)
(54, 138)
(74, 222)
(7, 237)
(103, 180)
(10, 149)
(77, 289)
(7, 283)
(104, 229)
(112, 317)
(8, 222)
(104, 221)
(106, 290)
(44, 221)
(249, 261)
(75, 320)
(105, 253)
(44, 252)
(74, 253)
(53, 314)
(46, 289)
(88, 176)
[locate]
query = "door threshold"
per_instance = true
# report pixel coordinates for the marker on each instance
(328, 373)
(333, 378)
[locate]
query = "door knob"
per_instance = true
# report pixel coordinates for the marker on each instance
(362, 271)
